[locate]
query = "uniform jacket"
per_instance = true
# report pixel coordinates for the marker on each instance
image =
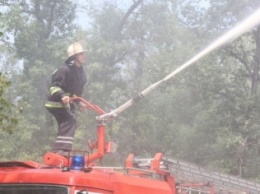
(67, 80)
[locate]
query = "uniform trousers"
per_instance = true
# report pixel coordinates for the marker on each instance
(66, 120)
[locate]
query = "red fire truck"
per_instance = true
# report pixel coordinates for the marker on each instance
(77, 173)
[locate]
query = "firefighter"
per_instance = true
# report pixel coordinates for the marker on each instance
(67, 81)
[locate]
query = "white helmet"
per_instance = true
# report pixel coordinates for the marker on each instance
(74, 49)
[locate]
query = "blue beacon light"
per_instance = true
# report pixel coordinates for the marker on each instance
(77, 162)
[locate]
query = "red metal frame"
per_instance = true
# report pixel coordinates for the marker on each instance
(89, 105)
(154, 167)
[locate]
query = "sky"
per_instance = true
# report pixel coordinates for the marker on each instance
(82, 16)
(84, 21)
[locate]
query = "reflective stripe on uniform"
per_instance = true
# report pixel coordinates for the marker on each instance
(51, 104)
(54, 89)
(59, 141)
(64, 139)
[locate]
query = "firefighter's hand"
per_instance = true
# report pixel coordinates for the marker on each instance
(65, 99)
(82, 107)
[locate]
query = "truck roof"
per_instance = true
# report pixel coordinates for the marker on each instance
(103, 178)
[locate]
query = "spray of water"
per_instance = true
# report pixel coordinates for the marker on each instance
(250, 22)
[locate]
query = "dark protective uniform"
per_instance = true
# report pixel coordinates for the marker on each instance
(67, 80)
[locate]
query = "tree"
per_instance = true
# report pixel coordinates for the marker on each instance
(145, 49)
(39, 30)
(231, 103)
(8, 120)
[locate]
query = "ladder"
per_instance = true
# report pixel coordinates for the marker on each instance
(223, 184)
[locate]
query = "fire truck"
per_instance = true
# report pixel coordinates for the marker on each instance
(78, 173)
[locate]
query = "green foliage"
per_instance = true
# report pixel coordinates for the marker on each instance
(8, 120)
(38, 29)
